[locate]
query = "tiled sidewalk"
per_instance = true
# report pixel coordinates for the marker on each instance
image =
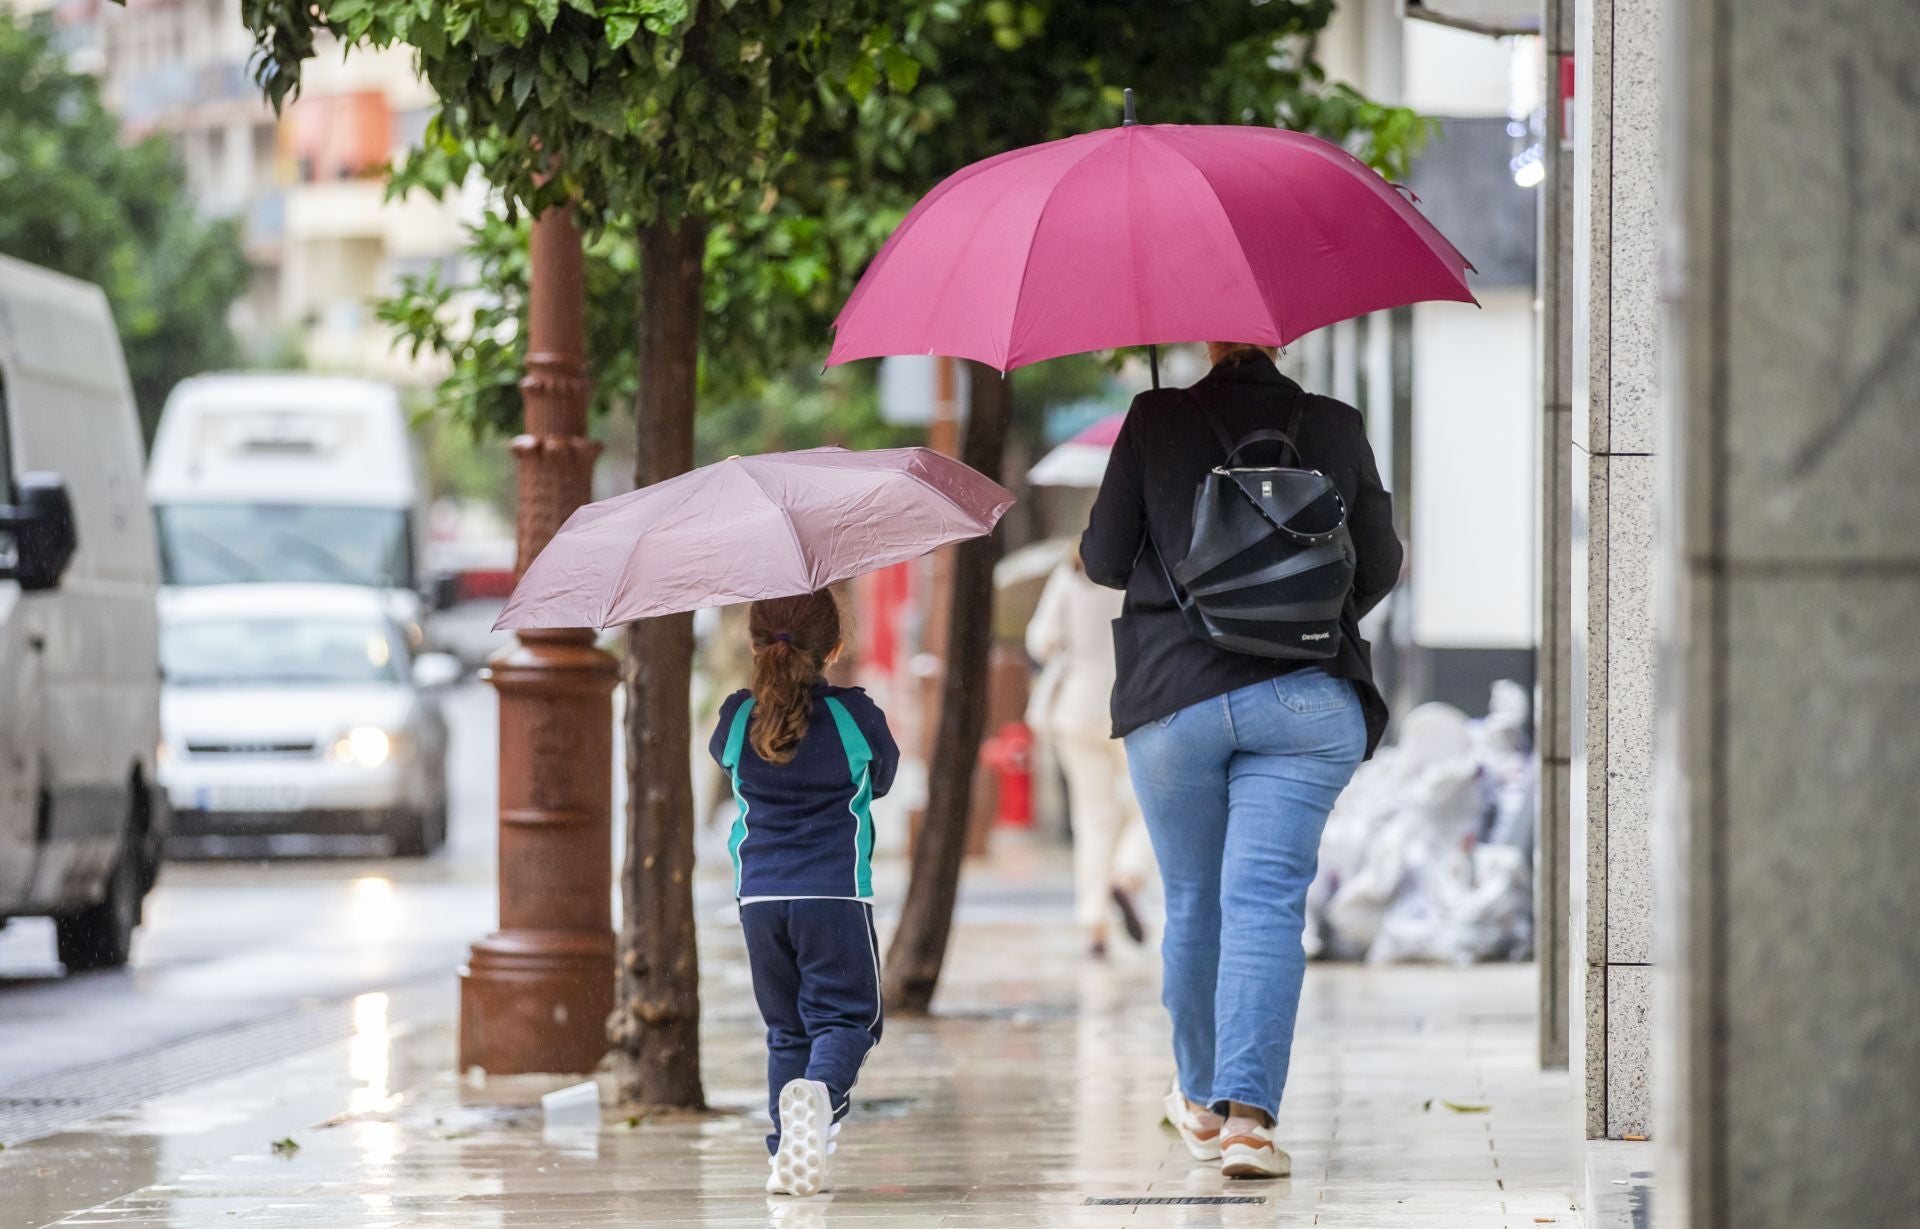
(1035, 1091)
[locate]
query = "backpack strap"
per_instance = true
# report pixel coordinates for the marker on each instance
(1266, 435)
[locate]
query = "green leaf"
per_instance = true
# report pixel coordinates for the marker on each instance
(903, 71)
(621, 27)
(548, 11)
(861, 79)
(1461, 1108)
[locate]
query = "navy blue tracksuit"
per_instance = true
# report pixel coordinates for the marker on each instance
(802, 847)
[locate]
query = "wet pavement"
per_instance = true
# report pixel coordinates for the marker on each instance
(1033, 1094)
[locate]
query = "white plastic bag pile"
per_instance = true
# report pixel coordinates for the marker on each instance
(1429, 853)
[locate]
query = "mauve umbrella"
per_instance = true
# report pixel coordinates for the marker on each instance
(1144, 234)
(747, 528)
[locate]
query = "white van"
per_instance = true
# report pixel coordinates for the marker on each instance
(278, 479)
(81, 821)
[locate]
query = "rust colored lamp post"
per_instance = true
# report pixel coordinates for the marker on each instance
(535, 995)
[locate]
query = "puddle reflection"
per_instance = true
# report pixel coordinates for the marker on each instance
(370, 1056)
(373, 912)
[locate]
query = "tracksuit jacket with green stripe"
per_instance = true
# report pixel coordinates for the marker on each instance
(805, 828)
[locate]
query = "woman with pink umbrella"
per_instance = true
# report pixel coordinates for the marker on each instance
(1244, 518)
(1237, 758)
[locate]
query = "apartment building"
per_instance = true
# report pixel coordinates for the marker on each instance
(306, 185)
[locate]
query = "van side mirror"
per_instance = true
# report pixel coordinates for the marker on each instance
(41, 531)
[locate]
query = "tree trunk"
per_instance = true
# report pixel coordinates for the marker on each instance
(920, 944)
(656, 1030)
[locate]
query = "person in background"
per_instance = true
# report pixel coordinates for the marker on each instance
(1071, 636)
(806, 760)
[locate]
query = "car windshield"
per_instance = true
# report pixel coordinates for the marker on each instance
(219, 544)
(264, 650)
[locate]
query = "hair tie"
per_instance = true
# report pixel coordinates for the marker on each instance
(783, 637)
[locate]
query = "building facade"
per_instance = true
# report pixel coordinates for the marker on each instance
(307, 186)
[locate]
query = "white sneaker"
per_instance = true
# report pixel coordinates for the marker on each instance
(1253, 1154)
(800, 1165)
(776, 1187)
(1202, 1141)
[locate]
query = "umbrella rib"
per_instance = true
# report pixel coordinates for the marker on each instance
(1273, 312)
(925, 203)
(1033, 235)
(639, 540)
(787, 519)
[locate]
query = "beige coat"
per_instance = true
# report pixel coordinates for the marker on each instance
(1071, 636)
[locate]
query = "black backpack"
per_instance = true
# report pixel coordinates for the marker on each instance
(1270, 565)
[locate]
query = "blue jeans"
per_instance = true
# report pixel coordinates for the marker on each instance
(1236, 791)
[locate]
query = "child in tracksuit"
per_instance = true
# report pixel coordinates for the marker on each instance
(807, 759)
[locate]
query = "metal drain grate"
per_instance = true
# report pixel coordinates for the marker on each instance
(66, 1099)
(1158, 1201)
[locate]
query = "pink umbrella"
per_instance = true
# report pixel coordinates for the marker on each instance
(1144, 234)
(1082, 459)
(751, 527)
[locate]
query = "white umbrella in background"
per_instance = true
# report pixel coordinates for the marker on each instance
(1082, 460)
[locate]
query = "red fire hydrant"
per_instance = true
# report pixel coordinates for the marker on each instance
(1009, 755)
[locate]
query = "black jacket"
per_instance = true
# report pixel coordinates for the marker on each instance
(1158, 462)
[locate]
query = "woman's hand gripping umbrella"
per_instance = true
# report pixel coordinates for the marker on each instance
(775, 525)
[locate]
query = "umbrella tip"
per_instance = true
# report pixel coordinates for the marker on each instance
(1127, 119)
(733, 457)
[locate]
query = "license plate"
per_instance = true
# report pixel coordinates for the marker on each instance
(250, 798)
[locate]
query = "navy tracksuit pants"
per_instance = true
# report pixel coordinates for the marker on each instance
(816, 977)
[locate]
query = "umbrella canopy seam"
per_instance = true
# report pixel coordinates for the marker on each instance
(620, 591)
(786, 518)
(1274, 316)
(925, 203)
(1026, 264)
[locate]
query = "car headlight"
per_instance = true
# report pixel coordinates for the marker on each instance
(365, 745)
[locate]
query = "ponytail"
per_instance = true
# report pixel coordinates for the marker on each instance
(792, 639)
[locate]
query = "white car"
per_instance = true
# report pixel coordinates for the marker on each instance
(300, 709)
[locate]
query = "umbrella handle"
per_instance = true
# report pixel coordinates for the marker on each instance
(1153, 364)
